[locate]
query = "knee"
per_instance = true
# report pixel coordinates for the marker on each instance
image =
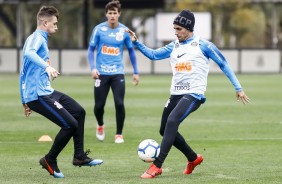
(119, 105)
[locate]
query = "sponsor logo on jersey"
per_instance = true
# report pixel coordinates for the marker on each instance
(183, 66)
(114, 51)
(109, 68)
(179, 56)
(112, 35)
(182, 86)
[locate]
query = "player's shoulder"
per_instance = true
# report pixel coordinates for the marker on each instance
(122, 26)
(101, 27)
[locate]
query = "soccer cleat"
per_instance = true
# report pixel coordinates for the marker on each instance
(51, 167)
(119, 139)
(152, 172)
(84, 160)
(191, 165)
(100, 133)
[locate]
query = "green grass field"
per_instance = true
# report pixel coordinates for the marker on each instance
(240, 144)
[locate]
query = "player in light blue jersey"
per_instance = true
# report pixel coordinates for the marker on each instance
(37, 95)
(109, 38)
(189, 58)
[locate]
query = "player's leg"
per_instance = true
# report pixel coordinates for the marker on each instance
(184, 107)
(118, 88)
(154, 170)
(78, 112)
(179, 142)
(54, 111)
(101, 90)
(80, 157)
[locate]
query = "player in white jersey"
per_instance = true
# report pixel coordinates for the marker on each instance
(109, 38)
(189, 59)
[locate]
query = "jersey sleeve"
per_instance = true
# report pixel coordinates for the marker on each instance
(212, 52)
(31, 49)
(94, 39)
(155, 54)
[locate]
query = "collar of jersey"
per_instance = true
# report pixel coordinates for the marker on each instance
(43, 33)
(189, 39)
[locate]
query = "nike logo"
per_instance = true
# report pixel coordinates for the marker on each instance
(179, 56)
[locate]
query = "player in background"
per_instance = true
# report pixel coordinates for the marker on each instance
(38, 95)
(189, 59)
(109, 38)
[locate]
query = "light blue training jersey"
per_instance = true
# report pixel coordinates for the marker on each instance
(34, 80)
(110, 45)
(190, 64)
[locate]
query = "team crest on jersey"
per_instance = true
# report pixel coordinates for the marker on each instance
(194, 44)
(119, 35)
(97, 83)
(176, 45)
(104, 28)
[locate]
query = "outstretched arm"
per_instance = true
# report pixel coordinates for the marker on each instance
(153, 54)
(212, 52)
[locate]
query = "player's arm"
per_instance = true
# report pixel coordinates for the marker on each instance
(153, 54)
(212, 52)
(30, 53)
(132, 56)
(90, 53)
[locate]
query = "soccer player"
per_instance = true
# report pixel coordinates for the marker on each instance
(109, 39)
(38, 95)
(189, 59)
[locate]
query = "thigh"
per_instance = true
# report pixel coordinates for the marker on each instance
(50, 108)
(101, 89)
(118, 88)
(170, 105)
(71, 105)
(186, 105)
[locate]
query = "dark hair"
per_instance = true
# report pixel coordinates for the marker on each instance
(112, 5)
(47, 11)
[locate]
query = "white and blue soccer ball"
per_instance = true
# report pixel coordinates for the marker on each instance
(148, 150)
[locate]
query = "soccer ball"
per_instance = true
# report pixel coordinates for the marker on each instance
(148, 150)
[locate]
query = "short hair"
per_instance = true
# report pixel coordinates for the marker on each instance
(112, 5)
(47, 11)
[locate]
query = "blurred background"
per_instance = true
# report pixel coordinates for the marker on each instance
(249, 32)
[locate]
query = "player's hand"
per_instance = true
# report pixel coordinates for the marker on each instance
(133, 36)
(27, 110)
(135, 79)
(52, 72)
(241, 96)
(95, 74)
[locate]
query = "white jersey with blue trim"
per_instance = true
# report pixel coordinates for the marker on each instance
(110, 44)
(190, 64)
(189, 67)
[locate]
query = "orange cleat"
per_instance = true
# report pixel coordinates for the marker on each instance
(191, 165)
(152, 172)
